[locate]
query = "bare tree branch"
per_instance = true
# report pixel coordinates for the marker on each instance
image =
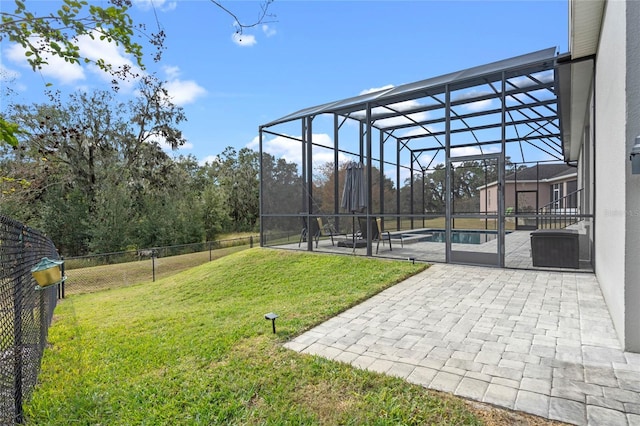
(264, 8)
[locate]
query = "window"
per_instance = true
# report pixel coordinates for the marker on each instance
(556, 195)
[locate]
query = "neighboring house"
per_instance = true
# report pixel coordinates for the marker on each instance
(541, 188)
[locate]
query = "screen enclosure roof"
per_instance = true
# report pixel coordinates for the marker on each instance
(518, 93)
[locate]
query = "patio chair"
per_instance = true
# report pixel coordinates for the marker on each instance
(312, 231)
(375, 227)
(382, 235)
(327, 230)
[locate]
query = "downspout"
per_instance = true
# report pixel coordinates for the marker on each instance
(369, 182)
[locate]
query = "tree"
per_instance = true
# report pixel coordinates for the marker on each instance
(9, 132)
(324, 194)
(156, 119)
(240, 26)
(282, 193)
(237, 173)
(92, 173)
(112, 222)
(465, 181)
(76, 138)
(89, 149)
(56, 34)
(215, 211)
(64, 216)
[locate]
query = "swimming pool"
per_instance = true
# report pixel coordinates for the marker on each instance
(457, 237)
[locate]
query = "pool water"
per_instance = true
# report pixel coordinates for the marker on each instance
(457, 237)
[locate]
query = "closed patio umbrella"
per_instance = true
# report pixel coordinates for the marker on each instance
(354, 194)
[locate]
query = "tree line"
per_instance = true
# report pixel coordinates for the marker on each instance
(92, 174)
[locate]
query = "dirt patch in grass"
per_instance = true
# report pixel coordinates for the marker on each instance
(325, 401)
(496, 416)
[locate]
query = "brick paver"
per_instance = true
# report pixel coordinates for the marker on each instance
(541, 342)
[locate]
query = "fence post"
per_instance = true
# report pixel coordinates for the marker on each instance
(61, 285)
(17, 333)
(153, 264)
(43, 320)
(251, 241)
(17, 349)
(209, 251)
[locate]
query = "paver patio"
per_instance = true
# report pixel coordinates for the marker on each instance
(541, 342)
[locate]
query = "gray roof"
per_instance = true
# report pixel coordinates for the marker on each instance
(542, 172)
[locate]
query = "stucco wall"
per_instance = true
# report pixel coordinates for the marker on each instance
(632, 240)
(611, 162)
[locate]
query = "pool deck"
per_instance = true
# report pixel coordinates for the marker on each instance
(517, 249)
(541, 342)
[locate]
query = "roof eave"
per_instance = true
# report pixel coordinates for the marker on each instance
(575, 80)
(585, 22)
(575, 76)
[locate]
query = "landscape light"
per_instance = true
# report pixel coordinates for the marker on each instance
(271, 316)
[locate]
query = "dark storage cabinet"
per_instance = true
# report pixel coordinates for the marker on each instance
(555, 248)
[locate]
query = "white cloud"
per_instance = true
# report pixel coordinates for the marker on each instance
(181, 92)
(67, 73)
(405, 173)
(187, 146)
(376, 89)
(210, 159)
(94, 49)
(518, 98)
(524, 81)
(402, 119)
(162, 5)
(268, 31)
(172, 72)
(545, 76)
(419, 131)
(184, 92)
(470, 94)
(254, 144)
(289, 149)
(56, 67)
(10, 79)
(397, 107)
(244, 40)
(7, 74)
(479, 105)
(472, 150)
(167, 148)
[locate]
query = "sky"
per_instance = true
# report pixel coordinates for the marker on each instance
(304, 53)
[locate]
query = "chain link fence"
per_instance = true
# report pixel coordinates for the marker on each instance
(25, 314)
(87, 274)
(26, 310)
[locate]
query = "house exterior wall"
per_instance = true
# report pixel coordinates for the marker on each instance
(632, 195)
(489, 199)
(543, 188)
(611, 162)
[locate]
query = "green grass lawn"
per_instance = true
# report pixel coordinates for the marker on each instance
(105, 277)
(194, 348)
